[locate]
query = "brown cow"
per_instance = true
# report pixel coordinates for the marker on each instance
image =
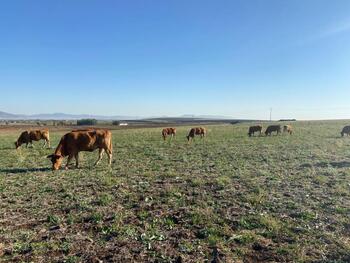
(74, 142)
(28, 137)
(288, 128)
(273, 128)
(253, 129)
(346, 130)
(168, 132)
(196, 131)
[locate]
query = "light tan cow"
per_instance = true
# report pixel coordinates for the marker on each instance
(288, 128)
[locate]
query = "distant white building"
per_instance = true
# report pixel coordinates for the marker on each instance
(123, 124)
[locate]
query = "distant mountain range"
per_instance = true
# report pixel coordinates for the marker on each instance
(64, 116)
(61, 116)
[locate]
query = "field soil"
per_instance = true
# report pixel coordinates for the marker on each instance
(226, 198)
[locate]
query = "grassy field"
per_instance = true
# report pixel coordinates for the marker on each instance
(228, 198)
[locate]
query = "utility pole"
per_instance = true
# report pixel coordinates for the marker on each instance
(270, 114)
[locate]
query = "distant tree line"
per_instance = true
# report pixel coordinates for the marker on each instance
(116, 123)
(86, 122)
(287, 120)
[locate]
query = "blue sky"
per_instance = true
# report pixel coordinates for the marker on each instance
(156, 57)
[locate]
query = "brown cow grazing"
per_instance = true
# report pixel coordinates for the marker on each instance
(254, 129)
(288, 128)
(346, 130)
(168, 132)
(28, 137)
(196, 131)
(74, 142)
(273, 128)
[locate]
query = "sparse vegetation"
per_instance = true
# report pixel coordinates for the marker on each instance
(259, 199)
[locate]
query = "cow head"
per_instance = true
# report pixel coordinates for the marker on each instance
(56, 161)
(17, 144)
(188, 138)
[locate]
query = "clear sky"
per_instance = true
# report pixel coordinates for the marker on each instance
(156, 57)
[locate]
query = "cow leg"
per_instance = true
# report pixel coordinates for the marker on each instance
(44, 144)
(76, 160)
(100, 154)
(70, 157)
(109, 153)
(47, 142)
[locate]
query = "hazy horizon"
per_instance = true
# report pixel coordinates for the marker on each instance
(267, 118)
(227, 58)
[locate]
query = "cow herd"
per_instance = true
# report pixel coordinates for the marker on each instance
(91, 139)
(270, 129)
(192, 133)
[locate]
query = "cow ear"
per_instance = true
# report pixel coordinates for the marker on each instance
(50, 156)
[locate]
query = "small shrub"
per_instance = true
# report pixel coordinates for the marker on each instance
(117, 123)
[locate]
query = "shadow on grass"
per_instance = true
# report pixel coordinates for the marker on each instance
(7, 148)
(342, 164)
(24, 170)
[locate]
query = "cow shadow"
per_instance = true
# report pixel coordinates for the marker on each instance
(7, 148)
(24, 170)
(341, 164)
(29, 147)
